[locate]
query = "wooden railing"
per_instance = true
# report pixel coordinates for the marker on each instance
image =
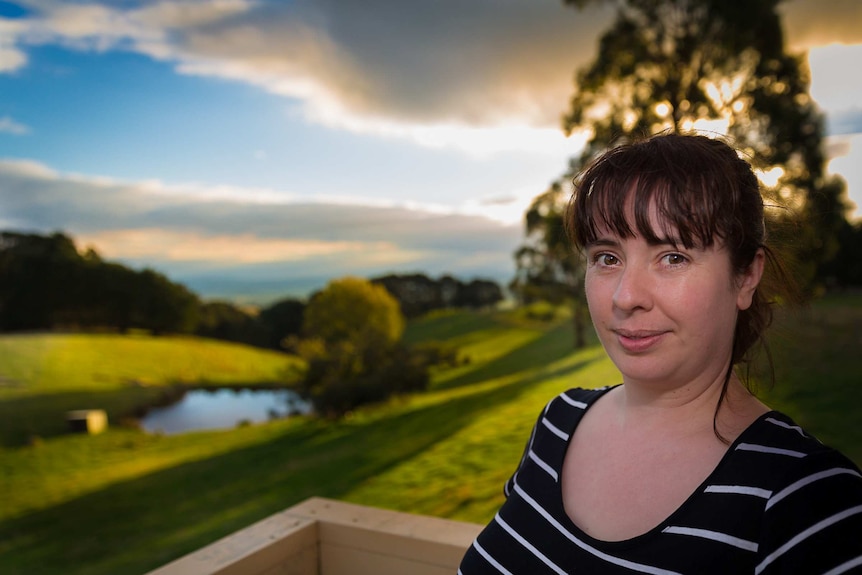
(326, 537)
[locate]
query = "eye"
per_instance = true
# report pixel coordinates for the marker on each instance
(605, 259)
(675, 259)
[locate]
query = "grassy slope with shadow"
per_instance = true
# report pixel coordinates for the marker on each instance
(158, 516)
(818, 371)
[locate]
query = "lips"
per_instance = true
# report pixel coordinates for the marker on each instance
(638, 341)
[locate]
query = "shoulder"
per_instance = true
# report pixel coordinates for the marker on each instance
(556, 423)
(785, 452)
(813, 513)
(563, 412)
(788, 459)
(579, 397)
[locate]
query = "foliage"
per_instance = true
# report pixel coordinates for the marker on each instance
(352, 330)
(282, 320)
(682, 65)
(419, 294)
(341, 378)
(354, 311)
(225, 321)
(547, 268)
(46, 283)
(845, 269)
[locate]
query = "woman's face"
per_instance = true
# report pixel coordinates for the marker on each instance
(664, 314)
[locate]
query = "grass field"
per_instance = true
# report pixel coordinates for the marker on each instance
(125, 502)
(44, 375)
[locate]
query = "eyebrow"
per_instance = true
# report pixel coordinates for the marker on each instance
(609, 242)
(603, 242)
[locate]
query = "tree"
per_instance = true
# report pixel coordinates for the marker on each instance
(46, 283)
(418, 294)
(354, 311)
(682, 65)
(685, 65)
(37, 276)
(282, 320)
(225, 321)
(547, 266)
(352, 331)
(478, 293)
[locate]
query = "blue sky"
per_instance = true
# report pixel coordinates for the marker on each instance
(254, 149)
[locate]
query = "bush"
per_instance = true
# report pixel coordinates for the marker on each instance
(339, 379)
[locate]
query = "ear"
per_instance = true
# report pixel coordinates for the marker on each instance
(749, 281)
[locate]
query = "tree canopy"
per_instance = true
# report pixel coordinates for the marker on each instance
(720, 67)
(418, 294)
(353, 329)
(354, 310)
(46, 283)
(714, 67)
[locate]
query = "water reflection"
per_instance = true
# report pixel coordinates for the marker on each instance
(223, 408)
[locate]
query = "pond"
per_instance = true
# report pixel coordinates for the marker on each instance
(222, 409)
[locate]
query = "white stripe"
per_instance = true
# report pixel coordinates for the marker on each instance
(713, 536)
(819, 526)
(808, 480)
(528, 545)
(555, 430)
(844, 567)
(490, 559)
(570, 401)
(568, 535)
(523, 459)
(767, 449)
(543, 465)
(780, 423)
(739, 490)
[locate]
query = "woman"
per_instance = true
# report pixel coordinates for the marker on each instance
(680, 469)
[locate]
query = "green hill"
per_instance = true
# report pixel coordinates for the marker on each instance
(44, 375)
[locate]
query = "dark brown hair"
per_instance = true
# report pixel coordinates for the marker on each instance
(702, 191)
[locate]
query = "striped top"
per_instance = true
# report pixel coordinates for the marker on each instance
(778, 502)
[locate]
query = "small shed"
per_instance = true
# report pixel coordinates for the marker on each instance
(90, 421)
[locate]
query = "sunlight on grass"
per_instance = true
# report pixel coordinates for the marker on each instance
(57, 362)
(43, 376)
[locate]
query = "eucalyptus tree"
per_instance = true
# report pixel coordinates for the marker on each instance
(713, 65)
(720, 68)
(546, 266)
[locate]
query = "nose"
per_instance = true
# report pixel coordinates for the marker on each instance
(633, 289)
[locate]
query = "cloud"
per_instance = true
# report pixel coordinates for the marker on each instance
(438, 73)
(446, 73)
(11, 57)
(811, 23)
(845, 153)
(10, 126)
(831, 85)
(184, 230)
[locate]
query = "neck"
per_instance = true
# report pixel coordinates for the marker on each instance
(688, 409)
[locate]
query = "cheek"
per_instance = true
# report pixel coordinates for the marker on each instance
(593, 290)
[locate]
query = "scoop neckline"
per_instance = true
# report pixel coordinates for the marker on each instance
(664, 523)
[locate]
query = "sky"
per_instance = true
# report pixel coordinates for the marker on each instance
(256, 149)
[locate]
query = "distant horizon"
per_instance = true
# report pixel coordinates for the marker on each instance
(262, 293)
